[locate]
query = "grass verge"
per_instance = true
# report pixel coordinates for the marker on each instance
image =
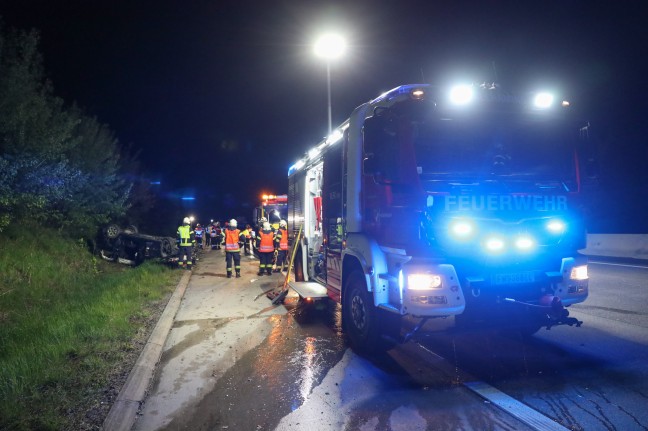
(67, 322)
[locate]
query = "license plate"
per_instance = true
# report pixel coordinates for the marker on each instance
(513, 278)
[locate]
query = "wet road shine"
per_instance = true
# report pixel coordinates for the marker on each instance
(234, 361)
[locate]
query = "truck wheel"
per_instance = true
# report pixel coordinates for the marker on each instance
(113, 231)
(360, 315)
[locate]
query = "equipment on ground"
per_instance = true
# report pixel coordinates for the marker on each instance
(280, 295)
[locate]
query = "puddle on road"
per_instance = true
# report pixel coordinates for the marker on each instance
(274, 378)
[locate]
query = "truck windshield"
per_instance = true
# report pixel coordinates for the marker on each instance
(513, 151)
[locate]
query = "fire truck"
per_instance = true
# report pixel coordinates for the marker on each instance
(273, 208)
(460, 203)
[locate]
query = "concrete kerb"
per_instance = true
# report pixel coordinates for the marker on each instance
(123, 412)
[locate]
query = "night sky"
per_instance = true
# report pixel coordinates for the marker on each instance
(221, 97)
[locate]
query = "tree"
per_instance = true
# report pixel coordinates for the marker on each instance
(57, 165)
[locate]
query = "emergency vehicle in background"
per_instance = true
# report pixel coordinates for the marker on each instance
(273, 208)
(435, 203)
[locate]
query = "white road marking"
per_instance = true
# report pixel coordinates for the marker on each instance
(515, 408)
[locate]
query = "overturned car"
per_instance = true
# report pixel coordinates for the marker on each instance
(129, 247)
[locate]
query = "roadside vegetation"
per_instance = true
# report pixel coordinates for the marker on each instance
(67, 321)
(70, 325)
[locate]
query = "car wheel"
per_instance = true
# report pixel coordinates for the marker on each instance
(166, 247)
(113, 231)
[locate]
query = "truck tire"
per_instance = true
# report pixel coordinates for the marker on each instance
(358, 313)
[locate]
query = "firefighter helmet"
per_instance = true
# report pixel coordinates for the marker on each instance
(282, 223)
(266, 226)
(232, 223)
(186, 220)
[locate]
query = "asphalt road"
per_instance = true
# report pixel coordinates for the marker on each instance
(234, 361)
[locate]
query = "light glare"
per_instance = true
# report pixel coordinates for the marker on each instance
(330, 46)
(524, 243)
(579, 273)
(423, 281)
(462, 228)
(461, 94)
(494, 244)
(556, 226)
(543, 100)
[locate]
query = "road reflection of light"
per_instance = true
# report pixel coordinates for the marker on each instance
(270, 359)
(308, 370)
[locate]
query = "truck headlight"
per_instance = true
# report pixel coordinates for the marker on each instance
(423, 281)
(579, 273)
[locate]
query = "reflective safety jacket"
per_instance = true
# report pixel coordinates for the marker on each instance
(199, 232)
(185, 235)
(265, 241)
(281, 239)
(232, 239)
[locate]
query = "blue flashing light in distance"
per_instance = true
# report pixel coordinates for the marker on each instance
(188, 198)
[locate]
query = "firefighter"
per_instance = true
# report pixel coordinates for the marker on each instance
(265, 247)
(208, 231)
(217, 236)
(247, 233)
(233, 239)
(281, 245)
(186, 241)
(199, 233)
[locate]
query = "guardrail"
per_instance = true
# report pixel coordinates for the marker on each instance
(617, 245)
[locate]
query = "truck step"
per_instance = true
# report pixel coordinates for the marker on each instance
(308, 289)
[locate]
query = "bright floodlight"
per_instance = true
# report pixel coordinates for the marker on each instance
(461, 94)
(330, 46)
(543, 100)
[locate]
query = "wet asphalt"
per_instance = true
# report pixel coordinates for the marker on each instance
(232, 360)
